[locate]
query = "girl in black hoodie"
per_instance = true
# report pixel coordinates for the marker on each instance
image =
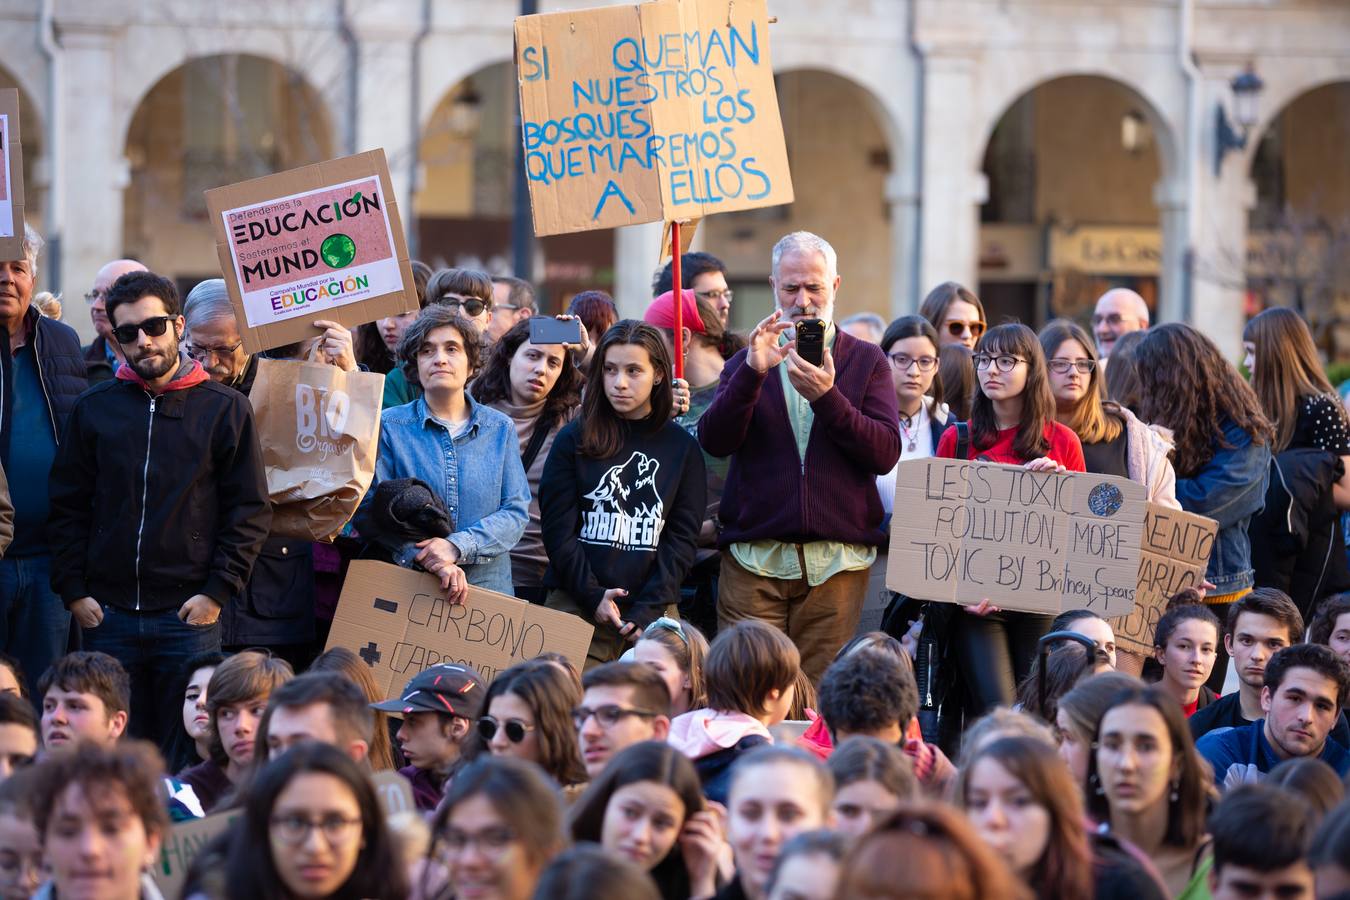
(622, 495)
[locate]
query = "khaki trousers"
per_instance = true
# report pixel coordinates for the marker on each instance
(819, 620)
(607, 644)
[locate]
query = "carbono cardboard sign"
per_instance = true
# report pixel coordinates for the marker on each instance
(11, 177)
(400, 623)
(321, 242)
(1030, 541)
(661, 111)
(1174, 556)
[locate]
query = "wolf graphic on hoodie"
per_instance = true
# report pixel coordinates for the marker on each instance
(627, 511)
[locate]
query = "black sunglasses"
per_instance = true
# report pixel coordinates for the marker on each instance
(153, 327)
(472, 306)
(515, 729)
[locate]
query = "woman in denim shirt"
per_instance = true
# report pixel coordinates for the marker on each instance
(1222, 456)
(467, 452)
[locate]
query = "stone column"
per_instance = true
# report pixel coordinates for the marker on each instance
(903, 203)
(636, 249)
(953, 185)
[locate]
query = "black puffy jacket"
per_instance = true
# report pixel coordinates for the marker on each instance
(157, 498)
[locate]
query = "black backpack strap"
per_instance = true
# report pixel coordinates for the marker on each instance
(541, 431)
(962, 440)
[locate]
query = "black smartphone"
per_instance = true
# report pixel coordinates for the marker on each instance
(811, 341)
(548, 330)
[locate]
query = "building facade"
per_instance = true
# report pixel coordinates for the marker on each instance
(1037, 150)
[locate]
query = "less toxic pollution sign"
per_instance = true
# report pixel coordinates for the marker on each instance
(319, 242)
(661, 111)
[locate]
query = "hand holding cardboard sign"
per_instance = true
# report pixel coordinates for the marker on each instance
(1044, 464)
(334, 345)
(441, 558)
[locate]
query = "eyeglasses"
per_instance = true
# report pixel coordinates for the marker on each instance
(472, 306)
(608, 715)
(1115, 320)
(1062, 366)
(666, 623)
(95, 295)
(490, 841)
(515, 729)
(959, 329)
(1003, 364)
(714, 296)
(202, 354)
(903, 362)
(294, 829)
(153, 327)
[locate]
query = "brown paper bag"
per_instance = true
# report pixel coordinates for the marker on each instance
(320, 429)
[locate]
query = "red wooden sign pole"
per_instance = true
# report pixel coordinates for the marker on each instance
(677, 287)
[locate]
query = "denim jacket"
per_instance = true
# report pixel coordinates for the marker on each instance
(1230, 489)
(477, 475)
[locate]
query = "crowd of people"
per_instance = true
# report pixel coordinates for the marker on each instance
(732, 732)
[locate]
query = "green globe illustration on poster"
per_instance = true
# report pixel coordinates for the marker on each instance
(338, 251)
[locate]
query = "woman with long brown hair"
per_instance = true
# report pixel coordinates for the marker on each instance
(956, 313)
(1012, 421)
(1023, 801)
(1311, 432)
(1222, 443)
(622, 496)
(1114, 441)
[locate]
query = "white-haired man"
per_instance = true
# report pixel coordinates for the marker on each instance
(1119, 311)
(41, 374)
(800, 516)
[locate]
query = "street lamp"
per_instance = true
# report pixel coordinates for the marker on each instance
(1246, 91)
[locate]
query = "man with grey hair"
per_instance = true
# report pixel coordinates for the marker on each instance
(276, 609)
(512, 301)
(1119, 311)
(104, 355)
(800, 516)
(865, 326)
(42, 372)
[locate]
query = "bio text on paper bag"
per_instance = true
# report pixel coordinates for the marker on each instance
(1031, 541)
(665, 110)
(313, 251)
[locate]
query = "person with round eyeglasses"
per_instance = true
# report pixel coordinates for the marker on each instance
(528, 716)
(956, 313)
(911, 346)
(1012, 422)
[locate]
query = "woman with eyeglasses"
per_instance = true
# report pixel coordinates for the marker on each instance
(468, 293)
(1114, 441)
(312, 828)
(1149, 787)
(676, 650)
(647, 807)
(956, 313)
(529, 716)
(496, 830)
(1222, 442)
(1013, 422)
(911, 346)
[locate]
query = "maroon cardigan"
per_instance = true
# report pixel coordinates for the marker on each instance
(855, 437)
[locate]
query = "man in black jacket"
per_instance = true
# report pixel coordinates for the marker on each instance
(158, 504)
(41, 374)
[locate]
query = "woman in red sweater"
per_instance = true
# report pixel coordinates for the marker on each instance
(1012, 421)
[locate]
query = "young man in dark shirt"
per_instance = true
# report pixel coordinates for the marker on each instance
(439, 706)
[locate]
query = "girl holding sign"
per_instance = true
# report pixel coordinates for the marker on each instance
(1012, 421)
(622, 495)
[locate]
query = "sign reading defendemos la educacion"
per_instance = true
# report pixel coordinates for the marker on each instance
(663, 111)
(320, 242)
(399, 622)
(1031, 541)
(11, 177)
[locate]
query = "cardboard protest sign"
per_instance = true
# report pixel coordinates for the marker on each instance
(400, 623)
(1031, 541)
(661, 111)
(11, 177)
(394, 792)
(1173, 556)
(320, 242)
(181, 845)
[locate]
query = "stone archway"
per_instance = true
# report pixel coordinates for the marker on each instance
(211, 121)
(1073, 167)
